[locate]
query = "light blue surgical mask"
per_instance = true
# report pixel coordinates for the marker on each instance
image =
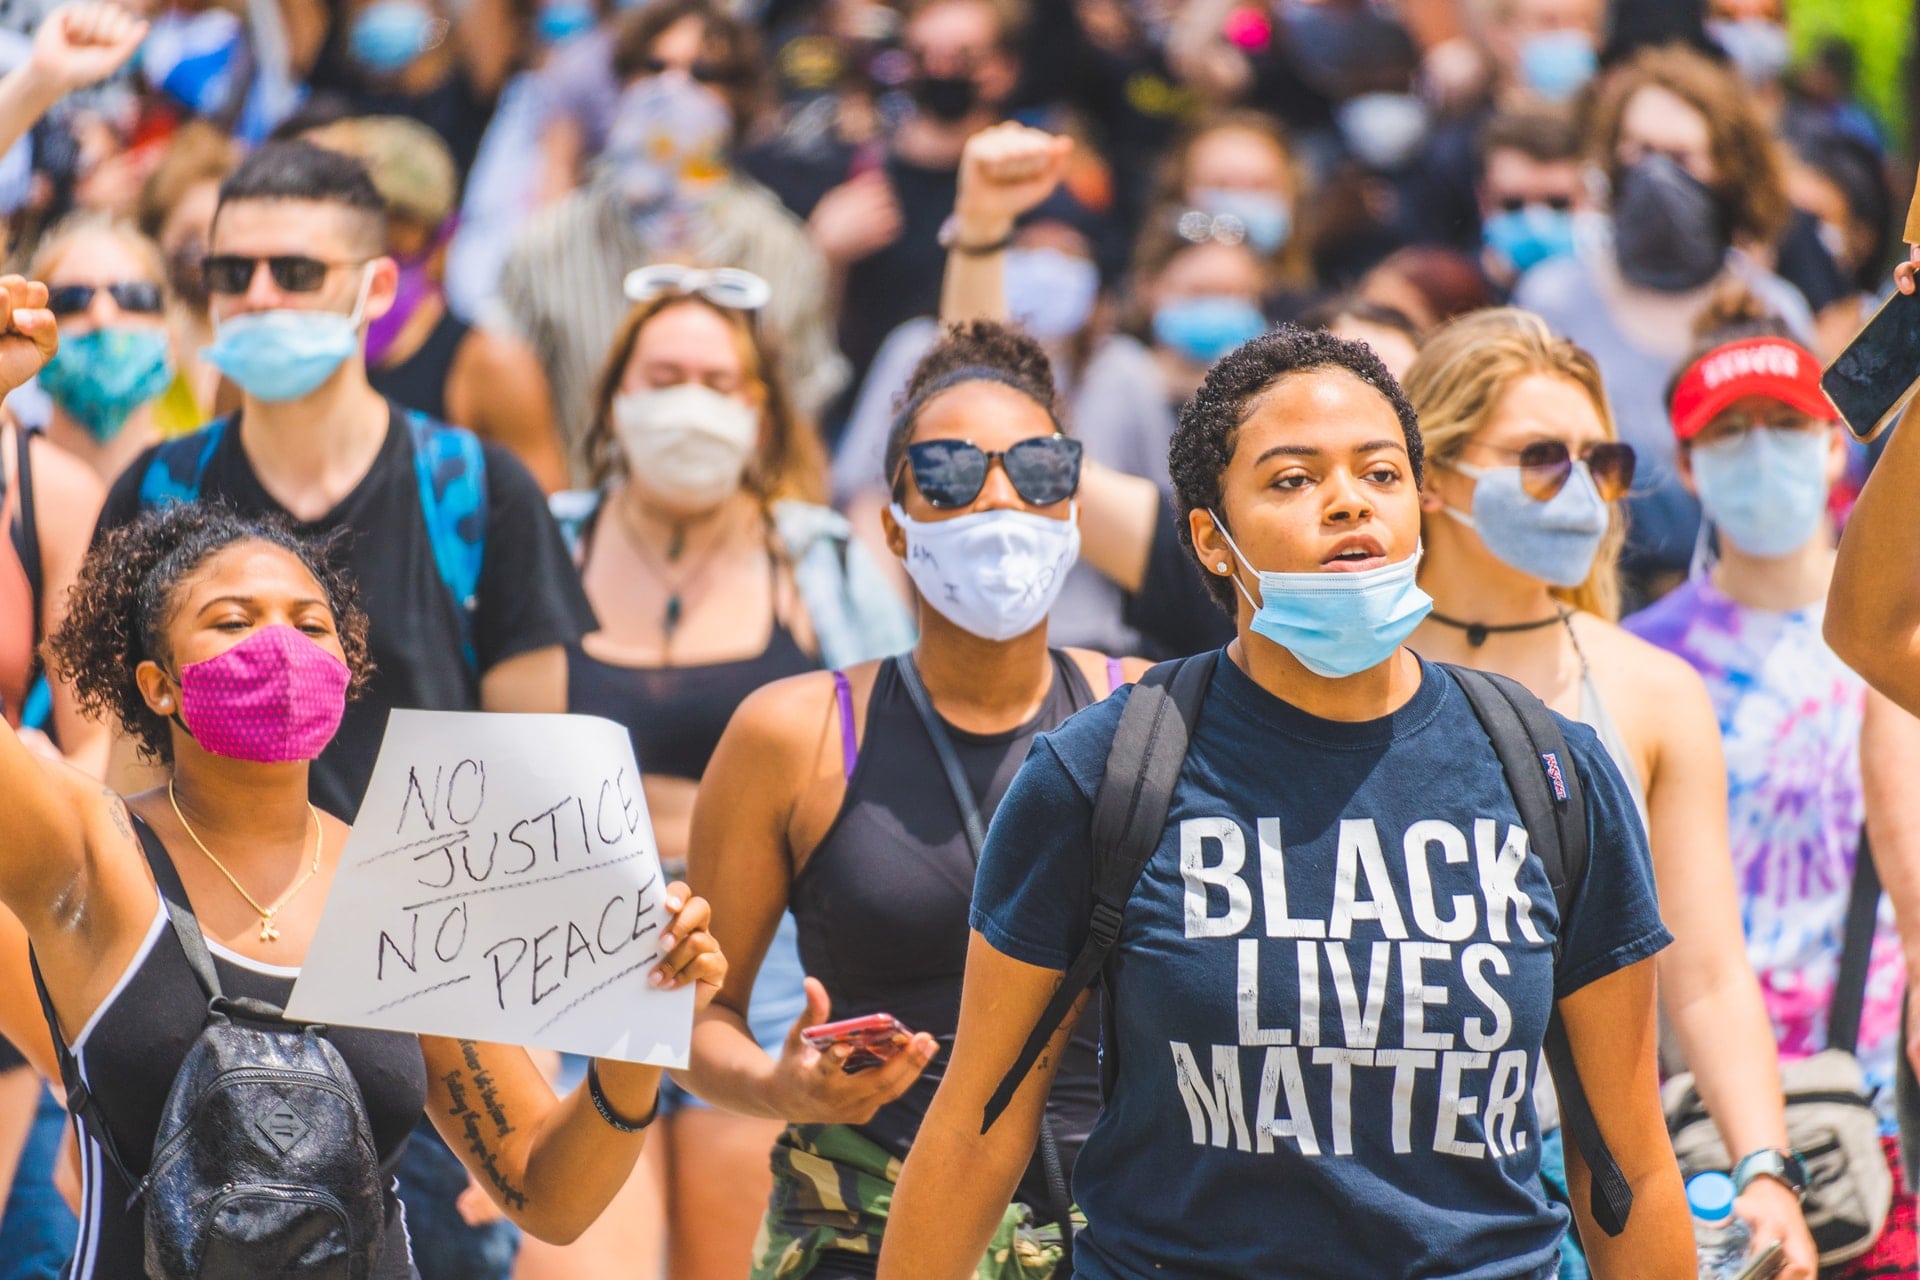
(562, 20)
(1266, 218)
(1204, 329)
(1759, 48)
(1050, 292)
(390, 34)
(100, 377)
(1554, 541)
(284, 355)
(1558, 64)
(1337, 624)
(1766, 491)
(1382, 130)
(1529, 235)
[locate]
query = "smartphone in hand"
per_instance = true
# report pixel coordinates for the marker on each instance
(1873, 378)
(1767, 1263)
(874, 1038)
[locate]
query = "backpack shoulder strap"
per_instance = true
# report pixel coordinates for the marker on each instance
(1129, 817)
(1546, 789)
(451, 469)
(174, 472)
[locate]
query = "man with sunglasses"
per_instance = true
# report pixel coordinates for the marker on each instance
(1529, 190)
(296, 272)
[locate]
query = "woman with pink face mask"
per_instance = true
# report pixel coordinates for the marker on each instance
(227, 646)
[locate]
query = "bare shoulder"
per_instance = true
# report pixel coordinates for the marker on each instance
(1641, 681)
(1094, 665)
(787, 717)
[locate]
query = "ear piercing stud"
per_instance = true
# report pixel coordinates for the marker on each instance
(1221, 567)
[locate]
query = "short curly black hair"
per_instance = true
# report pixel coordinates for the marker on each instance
(995, 352)
(1204, 437)
(119, 607)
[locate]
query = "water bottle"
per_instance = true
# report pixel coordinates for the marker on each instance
(1720, 1237)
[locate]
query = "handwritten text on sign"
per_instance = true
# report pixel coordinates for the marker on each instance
(501, 883)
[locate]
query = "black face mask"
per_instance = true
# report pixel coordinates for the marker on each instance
(948, 99)
(1671, 231)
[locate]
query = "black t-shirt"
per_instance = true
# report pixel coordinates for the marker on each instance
(889, 288)
(529, 598)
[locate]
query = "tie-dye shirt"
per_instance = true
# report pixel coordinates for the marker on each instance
(1790, 715)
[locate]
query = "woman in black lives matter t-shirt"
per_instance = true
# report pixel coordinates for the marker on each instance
(1334, 976)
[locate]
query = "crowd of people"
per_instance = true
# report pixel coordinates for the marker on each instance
(1134, 541)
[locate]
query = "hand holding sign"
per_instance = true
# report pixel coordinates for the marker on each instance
(502, 884)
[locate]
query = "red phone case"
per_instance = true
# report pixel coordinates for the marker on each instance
(875, 1038)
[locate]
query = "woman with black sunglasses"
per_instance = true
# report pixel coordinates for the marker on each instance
(116, 367)
(857, 799)
(1522, 533)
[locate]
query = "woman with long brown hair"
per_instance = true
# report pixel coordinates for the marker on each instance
(712, 574)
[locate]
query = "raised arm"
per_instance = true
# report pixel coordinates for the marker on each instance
(66, 501)
(77, 45)
(755, 792)
(1873, 608)
(957, 1181)
(553, 1164)
(1611, 1026)
(1004, 172)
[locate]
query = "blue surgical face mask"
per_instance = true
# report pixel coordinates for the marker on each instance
(389, 34)
(1267, 218)
(562, 20)
(1558, 64)
(1337, 624)
(1554, 541)
(1204, 329)
(1765, 491)
(1050, 292)
(100, 377)
(1382, 130)
(284, 355)
(1759, 48)
(1529, 235)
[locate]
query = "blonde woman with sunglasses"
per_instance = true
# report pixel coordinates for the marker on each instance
(1522, 530)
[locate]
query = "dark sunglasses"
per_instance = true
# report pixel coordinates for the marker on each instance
(704, 72)
(141, 297)
(1546, 464)
(951, 473)
(1559, 204)
(294, 272)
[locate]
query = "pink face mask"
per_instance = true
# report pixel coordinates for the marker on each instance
(274, 697)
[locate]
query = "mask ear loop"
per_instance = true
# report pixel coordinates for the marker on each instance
(358, 313)
(1221, 527)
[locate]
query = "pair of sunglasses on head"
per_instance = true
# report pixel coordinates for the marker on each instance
(1546, 465)
(951, 473)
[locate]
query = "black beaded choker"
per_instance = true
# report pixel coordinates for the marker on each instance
(1477, 632)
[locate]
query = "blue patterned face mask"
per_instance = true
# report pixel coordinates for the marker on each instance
(100, 377)
(1336, 623)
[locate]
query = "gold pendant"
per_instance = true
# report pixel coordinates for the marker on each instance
(269, 932)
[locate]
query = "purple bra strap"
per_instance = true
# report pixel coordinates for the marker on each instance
(849, 740)
(1116, 674)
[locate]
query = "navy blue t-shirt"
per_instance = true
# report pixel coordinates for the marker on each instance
(1331, 989)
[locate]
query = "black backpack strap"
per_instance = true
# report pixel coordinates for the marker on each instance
(1129, 817)
(1547, 791)
(1863, 915)
(179, 911)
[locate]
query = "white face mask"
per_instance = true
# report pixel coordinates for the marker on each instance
(994, 574)
(687, 443)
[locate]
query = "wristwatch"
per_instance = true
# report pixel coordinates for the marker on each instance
(1784, 1167)
(949, 239)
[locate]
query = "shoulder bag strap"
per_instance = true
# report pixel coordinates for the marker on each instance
(1863, 915)
(1547, 791)
(936, 728)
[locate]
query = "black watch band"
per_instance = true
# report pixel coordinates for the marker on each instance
(949, 239)
(1783, 1166)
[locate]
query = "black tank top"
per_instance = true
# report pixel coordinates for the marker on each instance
(133, 1046)
(882, 904)
(420, 381)
(676, 715)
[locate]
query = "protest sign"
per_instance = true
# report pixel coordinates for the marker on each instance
(501, 884)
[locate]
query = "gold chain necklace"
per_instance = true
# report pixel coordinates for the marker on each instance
(269, 931)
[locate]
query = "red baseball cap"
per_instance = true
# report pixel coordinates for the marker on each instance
(1777, 368)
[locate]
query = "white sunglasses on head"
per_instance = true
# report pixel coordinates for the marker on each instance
(728, 287)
